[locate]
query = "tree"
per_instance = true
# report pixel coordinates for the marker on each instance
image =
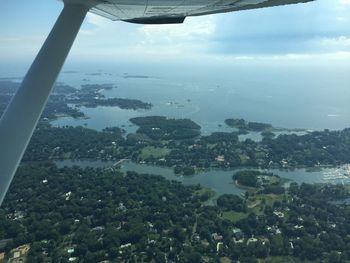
(231, 202)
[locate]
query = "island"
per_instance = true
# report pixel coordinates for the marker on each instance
(255, 179)
(66, 100)
(244, 125)
(127, 76)
(90, 96)
(162, 128)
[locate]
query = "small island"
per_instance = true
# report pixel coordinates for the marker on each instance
(162, 128)
(255, 180)
(127, 76)
(244, 125)
(184, 170)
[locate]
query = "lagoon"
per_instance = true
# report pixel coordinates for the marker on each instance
(218, 180)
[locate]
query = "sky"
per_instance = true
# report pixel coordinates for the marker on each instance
(316, 31)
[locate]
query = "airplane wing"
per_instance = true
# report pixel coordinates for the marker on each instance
(175, 11)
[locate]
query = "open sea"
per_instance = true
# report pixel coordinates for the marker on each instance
(288, 97)
(310, 96)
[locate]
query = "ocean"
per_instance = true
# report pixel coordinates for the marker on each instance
(292, 96)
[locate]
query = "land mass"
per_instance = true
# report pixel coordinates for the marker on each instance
(95, 215)
(177, 143)
(127, 76)
(244, 125)
(162, 128)
(66, 100)
(266, 129)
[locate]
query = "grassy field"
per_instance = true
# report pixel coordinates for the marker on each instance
(281, 260)
(347, 187)
(204, 191)
(273, 180)
(270, 260)
(256, 202)
(233, 216)
(269, 198)
(225, 260)
(155, 152)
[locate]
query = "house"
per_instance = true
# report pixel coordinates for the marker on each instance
(16, 254)
(24, 249)
(264, 240)
(218, 245)
(279, 214)
(125, 246)
(236, 231)
(196, 238)
(68, 195)
(216, 237)
(98, 228)
(220, 158)
(237, 241)
(252, 240)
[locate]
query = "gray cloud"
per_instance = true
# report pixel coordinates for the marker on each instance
(321, 26)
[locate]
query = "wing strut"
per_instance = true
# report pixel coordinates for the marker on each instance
(22, 114)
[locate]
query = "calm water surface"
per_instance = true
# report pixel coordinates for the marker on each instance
(311, 98)
(218, 180)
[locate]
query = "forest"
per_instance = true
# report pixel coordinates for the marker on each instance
(244, 125)
(178, 148)
(92, 215)
(162, 128)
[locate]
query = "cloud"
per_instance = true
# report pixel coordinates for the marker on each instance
(9, 39)
(13, 47)
(96, 20)
(192, 28)
(102, 37)
(176, 39)
(336, 43)
(316, 27)
(302, 31)
(344, 2)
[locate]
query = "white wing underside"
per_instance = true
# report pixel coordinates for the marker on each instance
(161, 11)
